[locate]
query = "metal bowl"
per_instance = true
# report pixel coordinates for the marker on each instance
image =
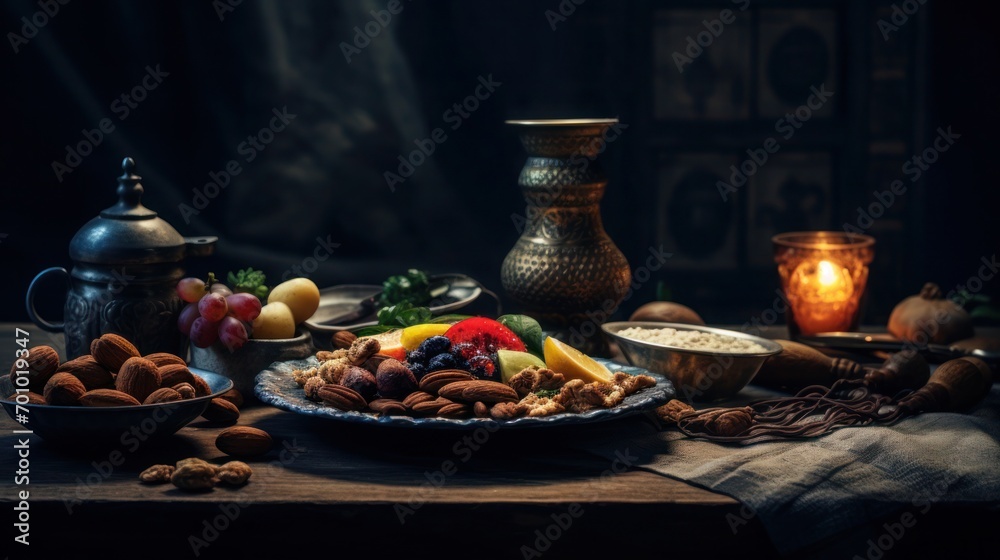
(243, 365)
(125, 426)
(701, 375)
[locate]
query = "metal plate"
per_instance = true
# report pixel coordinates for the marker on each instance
(346, 298)
(276, 387)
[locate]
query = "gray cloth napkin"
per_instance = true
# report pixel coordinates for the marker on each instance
(805, 491)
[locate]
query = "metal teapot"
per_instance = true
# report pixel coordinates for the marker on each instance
(127, 262)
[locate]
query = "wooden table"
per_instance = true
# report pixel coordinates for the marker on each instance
(353, 489)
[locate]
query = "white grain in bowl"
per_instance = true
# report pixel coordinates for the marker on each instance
(694, 340)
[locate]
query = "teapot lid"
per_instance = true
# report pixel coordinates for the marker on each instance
(128, 232)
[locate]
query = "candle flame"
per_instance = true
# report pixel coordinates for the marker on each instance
(827, 273)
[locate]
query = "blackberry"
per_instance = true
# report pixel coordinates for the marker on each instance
(442, 361)
(483, 367)
(434, 345)
(416, 357)
(419, 370)
(465, 351)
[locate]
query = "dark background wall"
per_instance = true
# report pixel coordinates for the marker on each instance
(322, 176)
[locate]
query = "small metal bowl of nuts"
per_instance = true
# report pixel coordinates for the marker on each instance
(704, 363)
(112, 396)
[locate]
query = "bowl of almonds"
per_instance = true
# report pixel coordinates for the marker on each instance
(113, 395)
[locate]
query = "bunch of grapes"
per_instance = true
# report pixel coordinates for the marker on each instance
(215, 313)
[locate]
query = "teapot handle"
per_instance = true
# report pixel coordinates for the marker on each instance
(30, 300)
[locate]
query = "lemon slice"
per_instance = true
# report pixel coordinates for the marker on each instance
(572, 363)
(413, 336)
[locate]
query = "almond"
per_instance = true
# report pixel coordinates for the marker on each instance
(92, 374)
(432, 382)
(33, 398)
(343, 339)
(63, 389)
(163, 358)
(455, 410)
(479, 390)
(221, 411)
(201, 388)
(430, 408)
(417, 397)
(481, 410)
(388, 407)
(107, 397)
(162, 395)
(112, 350)
(244, 441)
(186, 390)
(41, 364)
(172, 374)
(138, 377)
(342, 397)
(233, 396)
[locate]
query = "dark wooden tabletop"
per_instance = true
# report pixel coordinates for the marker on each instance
(337, 488)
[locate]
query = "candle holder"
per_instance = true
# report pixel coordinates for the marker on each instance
(824, 275)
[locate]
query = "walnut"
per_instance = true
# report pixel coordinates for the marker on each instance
(362, 349)
(632, 383)
(194, 474)
(578, 396)
(673, 411)
(157, 474)
(333, 370)
(541, 406)
(724, 422)
(533, 378)
(235, 473)
(312, 388)
(302, 375)
(343, 339)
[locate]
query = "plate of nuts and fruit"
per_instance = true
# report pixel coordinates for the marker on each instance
(113, 395)
(460, 375)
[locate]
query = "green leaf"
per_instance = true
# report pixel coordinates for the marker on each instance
(527, 329)
(412, 287)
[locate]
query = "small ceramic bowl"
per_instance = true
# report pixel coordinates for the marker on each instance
(701, 375)
(85, 426)
(243, 365)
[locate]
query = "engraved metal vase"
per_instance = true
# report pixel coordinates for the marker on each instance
(564, 269)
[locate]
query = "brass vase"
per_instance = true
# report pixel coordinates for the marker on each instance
(564, 269)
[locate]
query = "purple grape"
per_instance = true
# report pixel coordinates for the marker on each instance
(186, 317)
(204, 333)
(191, 289)
(213, 307)
(232, 333)
(221, 289)
(246, 307)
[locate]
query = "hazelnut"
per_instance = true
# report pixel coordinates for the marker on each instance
(361, 380)
(394, 380)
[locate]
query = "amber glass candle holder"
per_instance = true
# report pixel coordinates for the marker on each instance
(824, 275)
